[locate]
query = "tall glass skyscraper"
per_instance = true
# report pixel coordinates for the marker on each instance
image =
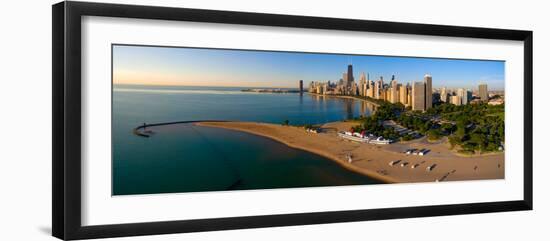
(350, 76)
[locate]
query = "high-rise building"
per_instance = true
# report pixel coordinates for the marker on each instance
(350, 76)
(325, 89)
(362, 83)
(301, 86)
(394, 94)
(403, 94)
(370, 90)
(428, 91)
(483, 93)
(455, 100)
(311, 86)
(377, 90)
(419, 96)
(466, 97)
(461, 93)
(409, 96)
(443, 94)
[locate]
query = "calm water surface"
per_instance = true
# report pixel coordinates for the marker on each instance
(187, 158)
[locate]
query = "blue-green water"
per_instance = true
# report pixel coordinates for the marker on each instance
(188, 158)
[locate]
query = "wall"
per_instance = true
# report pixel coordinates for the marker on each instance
(25, 104)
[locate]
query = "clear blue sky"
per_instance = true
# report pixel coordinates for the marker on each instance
(208, 67)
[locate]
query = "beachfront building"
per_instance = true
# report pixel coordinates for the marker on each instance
(483, 93)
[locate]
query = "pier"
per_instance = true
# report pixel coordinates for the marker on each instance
(140, 130)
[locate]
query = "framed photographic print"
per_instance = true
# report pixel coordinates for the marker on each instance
(170, 120)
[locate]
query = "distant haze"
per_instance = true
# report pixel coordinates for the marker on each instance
(146, 65)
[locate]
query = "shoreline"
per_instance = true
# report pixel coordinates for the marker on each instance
(372, 160)
(346, 97)
(320, 152)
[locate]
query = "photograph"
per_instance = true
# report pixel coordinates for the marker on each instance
(192, 119)
(274, 120)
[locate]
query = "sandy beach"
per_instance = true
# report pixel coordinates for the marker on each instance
(373, 160)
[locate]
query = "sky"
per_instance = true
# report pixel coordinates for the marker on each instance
(148, 65)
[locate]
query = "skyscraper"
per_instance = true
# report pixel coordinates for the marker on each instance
(301, 86)
(409, 95)
(370, 90)
(483, 95)
(443, 94)
(403, 94)
(394, 98)
(461, 95)
(377, 90)
(350, 75)
(466, 97)
(362, 82)
(428, 91)
(419, 96)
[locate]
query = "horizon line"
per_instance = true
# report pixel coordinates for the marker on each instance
(256, 87)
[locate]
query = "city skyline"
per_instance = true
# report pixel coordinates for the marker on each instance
(148, 65)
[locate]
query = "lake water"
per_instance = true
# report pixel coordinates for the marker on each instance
(187, 158)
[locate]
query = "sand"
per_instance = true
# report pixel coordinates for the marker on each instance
(372, 160)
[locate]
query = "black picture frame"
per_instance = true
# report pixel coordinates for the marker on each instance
(66, 127)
